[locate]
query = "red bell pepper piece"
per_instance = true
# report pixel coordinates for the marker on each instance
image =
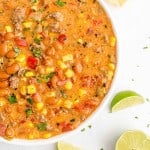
(32, 62)
(21, 42)
(62, 38)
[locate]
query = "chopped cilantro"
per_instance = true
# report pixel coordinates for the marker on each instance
(60, 3)
(37, 52)
(82, 130)
(29, 111)
(37, 41)
(63, 94)
(145, 47)
(89, 126)
(30, 100)
(17, 50)
(33, 1)
(45, 78)
(42, 126)
(51, 75)
(12, 99)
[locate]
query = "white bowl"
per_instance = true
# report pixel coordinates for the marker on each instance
(98, 111)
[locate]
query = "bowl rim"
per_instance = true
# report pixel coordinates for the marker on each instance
(98, 111)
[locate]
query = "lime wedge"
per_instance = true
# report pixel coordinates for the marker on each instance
(66, 146)
(117, 2)
(125, 99)
(133, 140)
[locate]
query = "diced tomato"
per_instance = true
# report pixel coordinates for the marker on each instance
(2, 129)
(64, 126)
(21, 42)
(32, 62)
(62, 38)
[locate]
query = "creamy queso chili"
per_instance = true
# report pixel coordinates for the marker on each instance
(57, 62)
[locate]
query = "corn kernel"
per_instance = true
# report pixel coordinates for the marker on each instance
(49, 70)
(31, 136)
(82, 92)
(68, 104)
(1, 60)
(31, 89)
(80, 41)
(2, 101)
(23, 90)
(29, 125)
(35, 8)
(27, 24)
(45, 23)
(8, 29)
(47, 135)
(29, 74)
(44, 111)
(111, 66)
(110, 75)
(104, 90)
(112, 41)
(39, 105)
(21, 58)
(51, 94)
(24, 79)
(59, 102)
(68, 85)
(62, 65)
(9, 45)
(68, 57)
(69, 73)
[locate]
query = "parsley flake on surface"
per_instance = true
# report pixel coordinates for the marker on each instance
(60, 3)
(42, 126)
(12, 99)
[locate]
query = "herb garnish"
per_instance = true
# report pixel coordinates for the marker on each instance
(37, 41)
(37, 52)
(42, 126)
(12, 99)
(63, 94)
(17, 50)
(60, 3)
(33, 1)
(30, 100)
(82, 130)
(29, 112)
(89, 126)
(45, 78)
(145, 47)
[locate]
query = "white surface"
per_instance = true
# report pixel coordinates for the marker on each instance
(133, 25)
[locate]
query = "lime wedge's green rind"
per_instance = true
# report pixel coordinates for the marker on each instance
(66, 146)
(130, 140)
(128, 102)
(121, 95)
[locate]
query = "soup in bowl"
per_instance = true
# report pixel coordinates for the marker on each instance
(58, 59)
